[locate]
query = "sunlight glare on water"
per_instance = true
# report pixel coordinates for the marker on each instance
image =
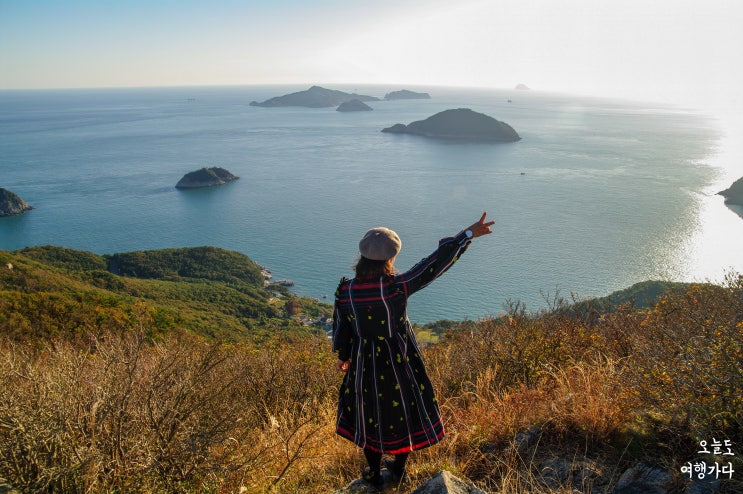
(716, 246)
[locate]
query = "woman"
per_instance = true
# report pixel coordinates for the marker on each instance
(386, 402)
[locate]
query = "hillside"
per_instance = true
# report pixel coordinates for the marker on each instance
(181, 372)
(53, 291)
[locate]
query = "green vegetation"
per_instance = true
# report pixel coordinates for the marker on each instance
(641, 295)
(197, 380)
(53, 291)
(208, 263)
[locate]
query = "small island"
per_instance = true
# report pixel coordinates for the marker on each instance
(461, 124)
(353, 105)
(522, 87)
(11, 204)
(206, 177)
(405, 94)
(314, 97)
(734, 194)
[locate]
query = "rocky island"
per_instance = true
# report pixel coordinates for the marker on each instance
(314, 97)
(461, 124)
(405, 94)
(11, 204)
(206, 177)
(734, 194)
(353, 105)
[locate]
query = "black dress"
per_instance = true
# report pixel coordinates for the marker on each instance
(386, 401)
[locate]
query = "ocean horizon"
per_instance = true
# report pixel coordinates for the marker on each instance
(598, 194)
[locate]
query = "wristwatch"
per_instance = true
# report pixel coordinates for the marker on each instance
(468, 233)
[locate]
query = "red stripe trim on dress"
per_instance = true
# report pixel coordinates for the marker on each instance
(392, 447)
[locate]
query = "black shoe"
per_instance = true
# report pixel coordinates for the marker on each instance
(397, 477)
(376, 479)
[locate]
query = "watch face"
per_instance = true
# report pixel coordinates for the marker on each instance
(468, 233)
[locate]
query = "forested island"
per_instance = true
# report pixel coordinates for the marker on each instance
(353, 105)
(405, 94)
(314, 97)
(461, 124)
(205, 177)
(320, 97)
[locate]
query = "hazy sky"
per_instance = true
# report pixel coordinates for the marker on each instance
(682, 50)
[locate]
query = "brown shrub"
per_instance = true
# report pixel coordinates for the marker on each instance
(175, 415)
(115, 410)
(687, 359)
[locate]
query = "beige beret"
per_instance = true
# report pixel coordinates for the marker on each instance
(380, 244)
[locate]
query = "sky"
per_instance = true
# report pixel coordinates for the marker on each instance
(672, 50)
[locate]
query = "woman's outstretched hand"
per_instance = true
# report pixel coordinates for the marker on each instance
(481, 227)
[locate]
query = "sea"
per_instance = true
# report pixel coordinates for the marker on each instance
(598, 194)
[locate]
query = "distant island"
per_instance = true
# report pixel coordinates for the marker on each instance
(405, 94)
(11, 204)
(734, 194)
(461, 123)
(314, 97)
(206, 177)
(521, 87)
(353, 105)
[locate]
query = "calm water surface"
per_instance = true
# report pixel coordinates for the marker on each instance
(597, 195)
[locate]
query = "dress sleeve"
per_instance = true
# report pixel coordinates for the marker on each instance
(433, 266)
(342, 329)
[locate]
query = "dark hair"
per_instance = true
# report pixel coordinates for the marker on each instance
(366, 268)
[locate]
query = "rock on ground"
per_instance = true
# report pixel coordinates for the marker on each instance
(443, 482)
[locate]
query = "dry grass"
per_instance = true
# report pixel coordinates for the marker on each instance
(120, 412)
